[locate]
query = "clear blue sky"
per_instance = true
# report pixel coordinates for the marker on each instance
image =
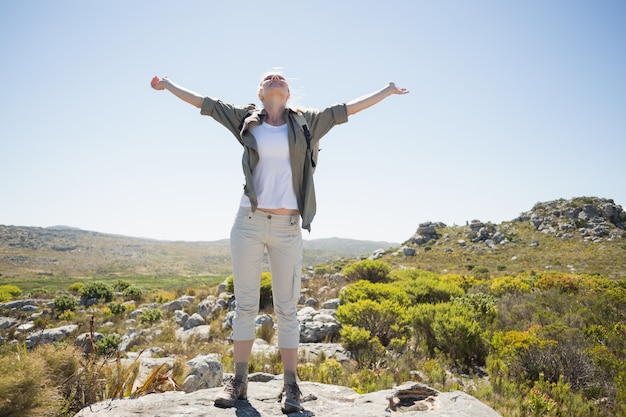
(511, 103)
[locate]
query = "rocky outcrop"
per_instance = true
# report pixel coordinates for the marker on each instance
(426, 232)
(591, 218)
(320, 400)
(318, 325)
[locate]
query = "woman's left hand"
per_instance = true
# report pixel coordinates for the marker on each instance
(157, 83)
(397, 90)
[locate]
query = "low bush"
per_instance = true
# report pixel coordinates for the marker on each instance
(132, 293)
(425, 287)
(121, 285)
(151, 316)
(365, 347)
(108, 344)
(117, 309)
(9, 292)
(366, 290)
(76, 288)
(64, 302)
(97, 290)
(369, 270)
(385, 320)
(451, 329)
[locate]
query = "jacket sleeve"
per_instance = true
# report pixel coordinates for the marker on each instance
(320, 122)
(226, 114)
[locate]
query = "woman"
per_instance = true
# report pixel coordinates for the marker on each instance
(278, 163)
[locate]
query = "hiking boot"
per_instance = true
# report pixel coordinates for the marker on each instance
(235, 389)
(290, 399)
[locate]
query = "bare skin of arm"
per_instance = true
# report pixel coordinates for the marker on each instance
(188, 96)
(368, 100)
(353, 106)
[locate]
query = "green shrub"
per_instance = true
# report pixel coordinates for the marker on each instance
(481, 272)
(132, 293)
(510, 285)
(323, 269)
(451, 329)
(121, 286)
(108, 344)
(365, 347)
(230, 284)
(9, 292)
(76, 288)
(369, 270)
(385, 320)
(425, 287)
(98, 290)
(151, 316)
(39, 292)
(64, 303)
(371, 380)
(67, 315)
(366, 290)
(40, 323)
(117, 309)
(483, 305)
(561, 281)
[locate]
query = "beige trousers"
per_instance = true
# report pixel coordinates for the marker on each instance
(251, 235)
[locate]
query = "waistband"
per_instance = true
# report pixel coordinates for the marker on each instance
(258, 214)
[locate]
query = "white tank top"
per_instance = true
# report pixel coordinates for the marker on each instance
(272, 176)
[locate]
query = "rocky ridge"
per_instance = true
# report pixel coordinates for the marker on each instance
(590, 218)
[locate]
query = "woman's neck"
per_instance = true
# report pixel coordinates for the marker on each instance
(275, 116)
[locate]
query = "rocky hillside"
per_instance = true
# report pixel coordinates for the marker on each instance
(585, 234)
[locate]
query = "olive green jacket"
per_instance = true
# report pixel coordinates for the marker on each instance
(319, 123)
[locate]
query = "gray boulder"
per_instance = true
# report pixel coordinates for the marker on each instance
(263, 320)
(7, 322)
(177, 304)
(408, 251)
(206, 372)
(50, 335)
(85, 342)
(194, 321)
(206, 308)
(331, 304)
(18, 304)
(200, 333)
(180, 317)
(317, 326)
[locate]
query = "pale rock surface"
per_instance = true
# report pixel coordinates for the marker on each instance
(320, 400)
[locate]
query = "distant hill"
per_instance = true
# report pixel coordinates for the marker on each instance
(68, 251)
(584, 234)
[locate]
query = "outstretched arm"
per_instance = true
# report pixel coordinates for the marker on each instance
(180, 92)
(368, 100)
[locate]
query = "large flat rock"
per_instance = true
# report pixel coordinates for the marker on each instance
(320, 400)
